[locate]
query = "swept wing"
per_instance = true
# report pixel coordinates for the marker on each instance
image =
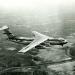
(39, 38)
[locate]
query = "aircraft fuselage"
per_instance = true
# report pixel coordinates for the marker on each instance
(58, 41)
(27, 41)
(21, 41)
(43, 45)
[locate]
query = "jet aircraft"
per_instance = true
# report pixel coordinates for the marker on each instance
(40, 41)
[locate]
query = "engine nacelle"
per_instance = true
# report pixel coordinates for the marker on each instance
(40, 47)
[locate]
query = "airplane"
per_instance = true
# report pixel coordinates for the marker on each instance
(40, 41)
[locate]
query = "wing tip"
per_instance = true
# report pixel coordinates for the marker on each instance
(21, 51)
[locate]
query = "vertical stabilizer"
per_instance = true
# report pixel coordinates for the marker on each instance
(7, 32)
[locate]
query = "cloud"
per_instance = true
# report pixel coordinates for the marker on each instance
(63, 67)
(11, 48)
(71, 38)
(55, 53)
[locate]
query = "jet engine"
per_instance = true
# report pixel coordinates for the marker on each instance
(40, 47)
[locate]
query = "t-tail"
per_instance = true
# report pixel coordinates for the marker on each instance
(7, 32)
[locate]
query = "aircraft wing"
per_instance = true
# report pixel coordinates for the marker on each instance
(39, 38)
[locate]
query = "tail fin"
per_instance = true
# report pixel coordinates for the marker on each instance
(7, 32)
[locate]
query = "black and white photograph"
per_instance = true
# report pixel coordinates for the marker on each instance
(37, 37)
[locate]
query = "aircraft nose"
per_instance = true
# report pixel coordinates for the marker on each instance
(65, 41)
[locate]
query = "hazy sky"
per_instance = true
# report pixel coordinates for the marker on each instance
(40, 15)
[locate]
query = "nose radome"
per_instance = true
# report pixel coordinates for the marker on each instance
(65, 41)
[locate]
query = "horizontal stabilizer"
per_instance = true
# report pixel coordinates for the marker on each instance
(4, 28)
